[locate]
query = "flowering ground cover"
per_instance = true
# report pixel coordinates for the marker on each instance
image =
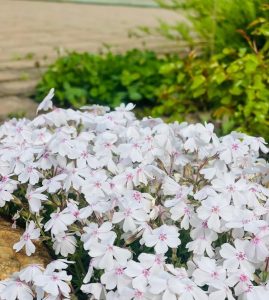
(135, 209)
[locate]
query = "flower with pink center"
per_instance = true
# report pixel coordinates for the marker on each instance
(54, 283)
(235, 257)
(186, 289)
(31, 233)
(131, 215)
(256, 249)
(161, 238)
(140, 274)
(213, 209)
(106, 254)
(115, 278)
(209, 273)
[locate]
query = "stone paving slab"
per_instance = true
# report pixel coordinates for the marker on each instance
(33, 32)
(15, 104)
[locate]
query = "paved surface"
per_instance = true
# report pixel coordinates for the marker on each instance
(33, 33)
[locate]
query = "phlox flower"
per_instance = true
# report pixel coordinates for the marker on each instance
(107, 254)
(31, 233)
(64, 243)
(209, 273)
(93, 234)
(54, 283)
(46, 104)
(16, 289)
(161, 238)
(115, 278)
(235, 257)
(59, 221)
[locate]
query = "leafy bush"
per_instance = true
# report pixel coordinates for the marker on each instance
(234, 94)
(104, 79)
(135, 209)
(213, 24)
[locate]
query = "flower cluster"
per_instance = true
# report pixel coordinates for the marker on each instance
(147, 210)
(35, 282)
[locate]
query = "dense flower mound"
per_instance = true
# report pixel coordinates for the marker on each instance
(135, 209)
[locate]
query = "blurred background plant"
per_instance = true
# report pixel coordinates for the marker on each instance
(213, 24)
(223, 77)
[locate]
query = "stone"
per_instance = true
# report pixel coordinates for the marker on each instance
(12, 261)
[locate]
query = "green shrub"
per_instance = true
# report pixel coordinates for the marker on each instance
(233, 95)
(104, 79)
(213, 24)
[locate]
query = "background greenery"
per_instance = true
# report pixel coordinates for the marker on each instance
(223, 79)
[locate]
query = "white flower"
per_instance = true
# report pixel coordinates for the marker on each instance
(64, 244)
(29, 273)
(31, 233)
(186, 289)
(16, 289)
(213, 209)
(131, 213)
(59, 222)
(94, 234)
(54, 283)
(209, 273)
(161, 238)
(115, 278)
(35, 198)
(236, 257)
(106, 254)
(46, 104)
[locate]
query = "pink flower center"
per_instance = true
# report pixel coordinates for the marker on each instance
(128, 212)
(215, 275)
(215, 209)
(129, 177)
(231, 188)
(97, 185)
(84, 154)
(29, 169)
(158, 260)
(146, 273)
(253, 190)
(46, 155)
(18, 283)
(54, 277)
(243, 278)
(76, 213)
(256, 240)
(162, 237)
(108, 145)
(235, 147)
(186, 210)
(138, 294)
(4, 179)
(249, 288)
(188, 288)
(240, 255)
(26, 237)
(179, 195)
(119, 271)
(204, 224)
(110, 248)
(137, 196)
(136, 146)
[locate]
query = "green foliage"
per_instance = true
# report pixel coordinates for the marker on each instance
(104, 79)
(232, 95)
(212, 24)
